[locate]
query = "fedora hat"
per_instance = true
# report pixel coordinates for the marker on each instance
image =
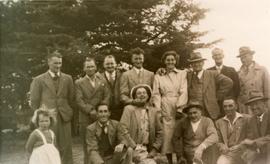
(244, 50)
(195, 57)
(145, 86)
(193, 104)
(255, 96)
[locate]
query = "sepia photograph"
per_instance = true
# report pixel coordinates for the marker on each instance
(135, 82)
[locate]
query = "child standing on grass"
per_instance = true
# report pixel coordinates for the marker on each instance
(41, 141)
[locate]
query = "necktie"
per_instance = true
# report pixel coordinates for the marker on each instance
(111, 80)
(140, 76)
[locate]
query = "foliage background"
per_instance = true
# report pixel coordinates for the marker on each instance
(79, 28)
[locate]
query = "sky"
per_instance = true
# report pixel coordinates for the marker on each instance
(238, 23)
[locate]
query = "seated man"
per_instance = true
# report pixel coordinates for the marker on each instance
(107, 141)
(196, 133)
(257, 144)
(231, 130)
(143, 121)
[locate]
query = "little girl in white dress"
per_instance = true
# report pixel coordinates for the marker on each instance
(41, 142)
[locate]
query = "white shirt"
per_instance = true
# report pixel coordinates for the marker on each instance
(53, 74)
(199, 75)
(92, 81)
(106, 126)
(195, 125)
(138, 70)
(219, 68)
(260, 117)
(112, 75)
(237, 116)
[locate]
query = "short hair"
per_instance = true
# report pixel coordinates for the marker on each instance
(44, 113)
(54, 54)
(137, 51)
(229, 98)
(88, 59)
(217, 51)
(168, 53)
(103, 104)
(109, 56)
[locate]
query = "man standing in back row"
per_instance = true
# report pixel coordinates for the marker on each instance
(137, 75)
(54, 90)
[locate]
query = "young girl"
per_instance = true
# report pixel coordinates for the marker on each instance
(41, 141)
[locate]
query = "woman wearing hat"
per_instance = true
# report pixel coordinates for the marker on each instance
(196, 133)
(143, 123)
(169, 95)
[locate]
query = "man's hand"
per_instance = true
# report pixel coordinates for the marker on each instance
(119, 148)
(161, 71)
(199, 152)
(223, 149)
(152, 153)
(248, 142)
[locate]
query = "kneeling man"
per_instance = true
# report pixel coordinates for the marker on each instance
(107, 141)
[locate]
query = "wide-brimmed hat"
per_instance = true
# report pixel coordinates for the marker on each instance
(196, 57)
(193, 104)
(255, 96)
(145, 86)
(244, 50)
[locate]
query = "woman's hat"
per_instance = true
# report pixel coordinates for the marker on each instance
(145, 86)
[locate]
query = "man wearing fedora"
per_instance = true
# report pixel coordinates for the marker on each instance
(257, 144)
(218, 56)
(207, 86)
(252, 77)
(195, 133)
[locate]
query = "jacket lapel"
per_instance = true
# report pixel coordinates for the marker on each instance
(87, 84)
(205, 78)
(111, 132)
(61, 84)
(264, 125)
(224, 132)
(49, 82)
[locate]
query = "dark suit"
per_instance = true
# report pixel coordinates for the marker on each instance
(232, 74)
(87, 99)
(57, 95)
(116, 134)
(130, 79)
(115, 105)
(261, 135)
(215, 87)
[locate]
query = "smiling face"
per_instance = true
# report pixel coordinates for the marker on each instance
(109, 64)
(194, 114)
(142, 95)
(197, 66)
(137, 60)
(103, 114)
(55, 64)
(229, 107)
(90, 67)
(44, 122)
(170, 62)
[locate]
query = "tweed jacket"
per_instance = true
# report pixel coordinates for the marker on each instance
(130, 79)
(116, 133)
(239, 131)
(43, 92)
(131, 120)
(88, 96)
(257, 79)
(261, 135)
(205, 134)
(114, 89)
(215, 87)
(232, 74)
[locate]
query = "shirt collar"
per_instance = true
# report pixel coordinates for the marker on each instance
(238, 115)
(175, 70)
(101, 125)
(200, 73)
(260, 117)
(90, 78)
(52, 74)
(113, 74)
(219, 67)
(196, 122)
(138, 70)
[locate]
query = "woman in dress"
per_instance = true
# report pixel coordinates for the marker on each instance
(169, 95)
(41, 141)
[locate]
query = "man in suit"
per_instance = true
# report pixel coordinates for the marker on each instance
(111, 79)
(257, 144)
(54, 90)
(231, 131)
(196, 134)
(252, 77)
(207, 86)
(137, 75)
(143, 122)
(218, 55)
(107, 141)
(90, 91)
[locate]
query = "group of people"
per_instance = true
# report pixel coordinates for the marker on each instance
(208, 116)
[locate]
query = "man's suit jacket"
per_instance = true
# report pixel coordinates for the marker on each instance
(114, 89)
(116, 133)
(239, 131)
(231, 73)
(43, 92)
(261, 135)
(215, 87)
(132, 121)
(130, 79)
(88, 96)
